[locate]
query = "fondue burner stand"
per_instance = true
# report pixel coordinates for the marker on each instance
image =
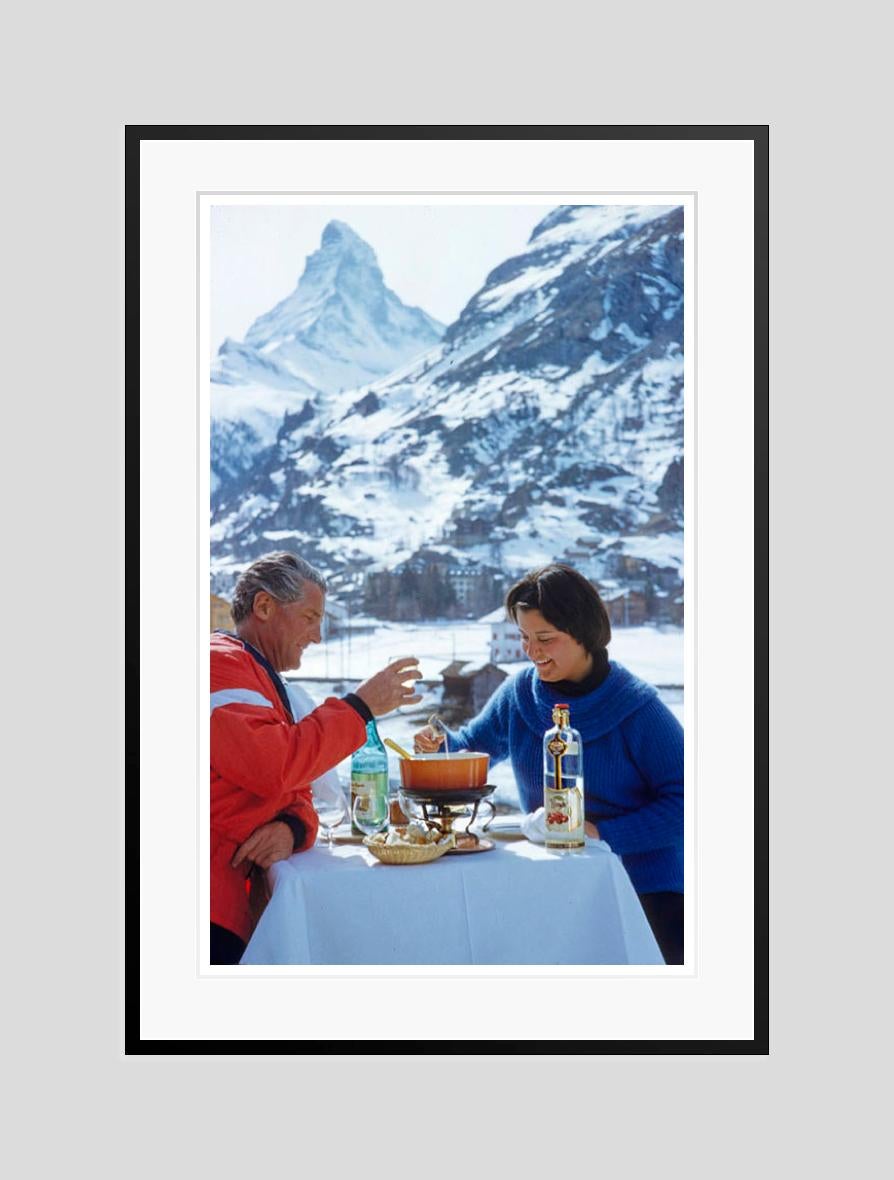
(445, 814)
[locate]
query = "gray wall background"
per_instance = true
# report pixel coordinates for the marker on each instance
(77, 75)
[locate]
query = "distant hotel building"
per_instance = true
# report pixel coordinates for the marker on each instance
(505, 644)
(221, 617)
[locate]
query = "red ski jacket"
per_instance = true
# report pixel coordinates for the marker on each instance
(262, 764)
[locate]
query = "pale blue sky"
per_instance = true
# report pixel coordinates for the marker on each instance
(432, 256)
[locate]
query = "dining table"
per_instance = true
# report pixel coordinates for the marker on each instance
(515, 903)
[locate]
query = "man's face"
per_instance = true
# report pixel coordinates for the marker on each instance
(289, 627)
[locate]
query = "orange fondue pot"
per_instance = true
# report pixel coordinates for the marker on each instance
(444, 772)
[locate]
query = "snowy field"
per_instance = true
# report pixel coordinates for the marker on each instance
(339, 665)
(653, 653)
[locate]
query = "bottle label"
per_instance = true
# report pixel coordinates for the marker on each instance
(564, 817)
(557, 747)
(367, 783)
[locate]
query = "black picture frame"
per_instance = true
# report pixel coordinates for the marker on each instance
(134, 136)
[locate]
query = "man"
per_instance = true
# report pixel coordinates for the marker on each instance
(262, 760)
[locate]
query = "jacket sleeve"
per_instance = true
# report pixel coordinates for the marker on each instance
(262, 753)
(302, 820)
(654, 740)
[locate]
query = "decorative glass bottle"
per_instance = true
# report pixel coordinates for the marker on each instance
(563, 783)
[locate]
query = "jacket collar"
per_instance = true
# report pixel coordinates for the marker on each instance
(275, 677)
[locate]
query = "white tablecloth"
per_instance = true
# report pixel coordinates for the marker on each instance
(516, 904)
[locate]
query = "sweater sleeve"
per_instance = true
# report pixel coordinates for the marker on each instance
(488, 733)
(654, 740)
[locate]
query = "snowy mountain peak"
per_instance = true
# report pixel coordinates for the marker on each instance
(577, 296)
(588, 223)
(341, 327)
(339, 235)
(343, 261)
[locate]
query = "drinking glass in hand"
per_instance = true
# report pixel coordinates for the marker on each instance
(330, 813)
(371, 813)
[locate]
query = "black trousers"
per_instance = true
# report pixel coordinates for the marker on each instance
(665, 914)
(226, 947)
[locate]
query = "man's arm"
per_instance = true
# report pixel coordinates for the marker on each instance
(255, 748)
(252, 747)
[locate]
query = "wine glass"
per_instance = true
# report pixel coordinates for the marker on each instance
(410, 809)
(370, 813)
(330, 812)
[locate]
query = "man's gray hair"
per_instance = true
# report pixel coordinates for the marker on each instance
(282, 575)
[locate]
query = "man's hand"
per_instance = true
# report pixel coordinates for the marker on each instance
(591, 829)
(268, 843)
(388, 688)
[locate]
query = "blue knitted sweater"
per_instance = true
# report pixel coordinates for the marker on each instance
(633, 764)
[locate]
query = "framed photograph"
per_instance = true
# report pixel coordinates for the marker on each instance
(428, 361)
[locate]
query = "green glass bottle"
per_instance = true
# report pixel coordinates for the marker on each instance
(369, 778)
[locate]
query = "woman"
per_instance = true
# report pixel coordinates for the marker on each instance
(633, 744)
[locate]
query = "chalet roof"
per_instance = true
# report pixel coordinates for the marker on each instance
(620, 595)
(465, 669)
(495, 616)
(512, 667)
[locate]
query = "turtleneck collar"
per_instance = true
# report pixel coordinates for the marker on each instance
(593, 679)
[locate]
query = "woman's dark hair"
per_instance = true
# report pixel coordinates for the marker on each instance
(567, 600)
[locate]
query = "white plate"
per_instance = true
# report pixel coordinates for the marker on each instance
(340, 835)
(504, 827)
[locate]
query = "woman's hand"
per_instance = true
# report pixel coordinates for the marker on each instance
(427, 740)
(591, 829)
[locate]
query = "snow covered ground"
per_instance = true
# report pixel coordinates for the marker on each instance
(337, 666)
(653, 653)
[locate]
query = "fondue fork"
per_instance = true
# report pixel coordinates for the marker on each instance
(438, 725)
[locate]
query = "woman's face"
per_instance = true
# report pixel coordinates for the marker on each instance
(556, 654)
